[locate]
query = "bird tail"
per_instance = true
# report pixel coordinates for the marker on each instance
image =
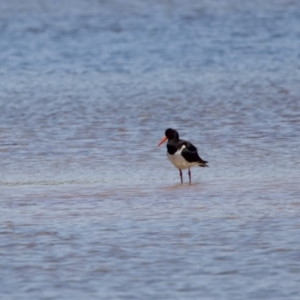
(202, 163)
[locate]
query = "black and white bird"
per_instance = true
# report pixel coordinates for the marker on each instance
(182, 154)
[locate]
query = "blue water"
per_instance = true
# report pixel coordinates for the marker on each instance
(91, 208)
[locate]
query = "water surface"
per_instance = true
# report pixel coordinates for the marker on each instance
(91, 208)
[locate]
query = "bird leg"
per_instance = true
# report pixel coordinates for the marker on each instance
(190, 176)
(180, 173)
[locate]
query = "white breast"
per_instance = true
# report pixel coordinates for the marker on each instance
(178, 160)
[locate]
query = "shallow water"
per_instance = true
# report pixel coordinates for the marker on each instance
(91, 208)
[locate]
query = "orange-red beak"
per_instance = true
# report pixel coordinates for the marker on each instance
(162, 141)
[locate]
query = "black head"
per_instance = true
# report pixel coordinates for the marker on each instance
(171, 134)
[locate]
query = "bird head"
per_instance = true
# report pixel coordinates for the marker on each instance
(169, 135)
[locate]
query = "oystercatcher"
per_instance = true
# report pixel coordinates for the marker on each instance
(182, 154)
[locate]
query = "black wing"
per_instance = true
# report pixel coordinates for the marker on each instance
(189, 146)
(191, 155)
